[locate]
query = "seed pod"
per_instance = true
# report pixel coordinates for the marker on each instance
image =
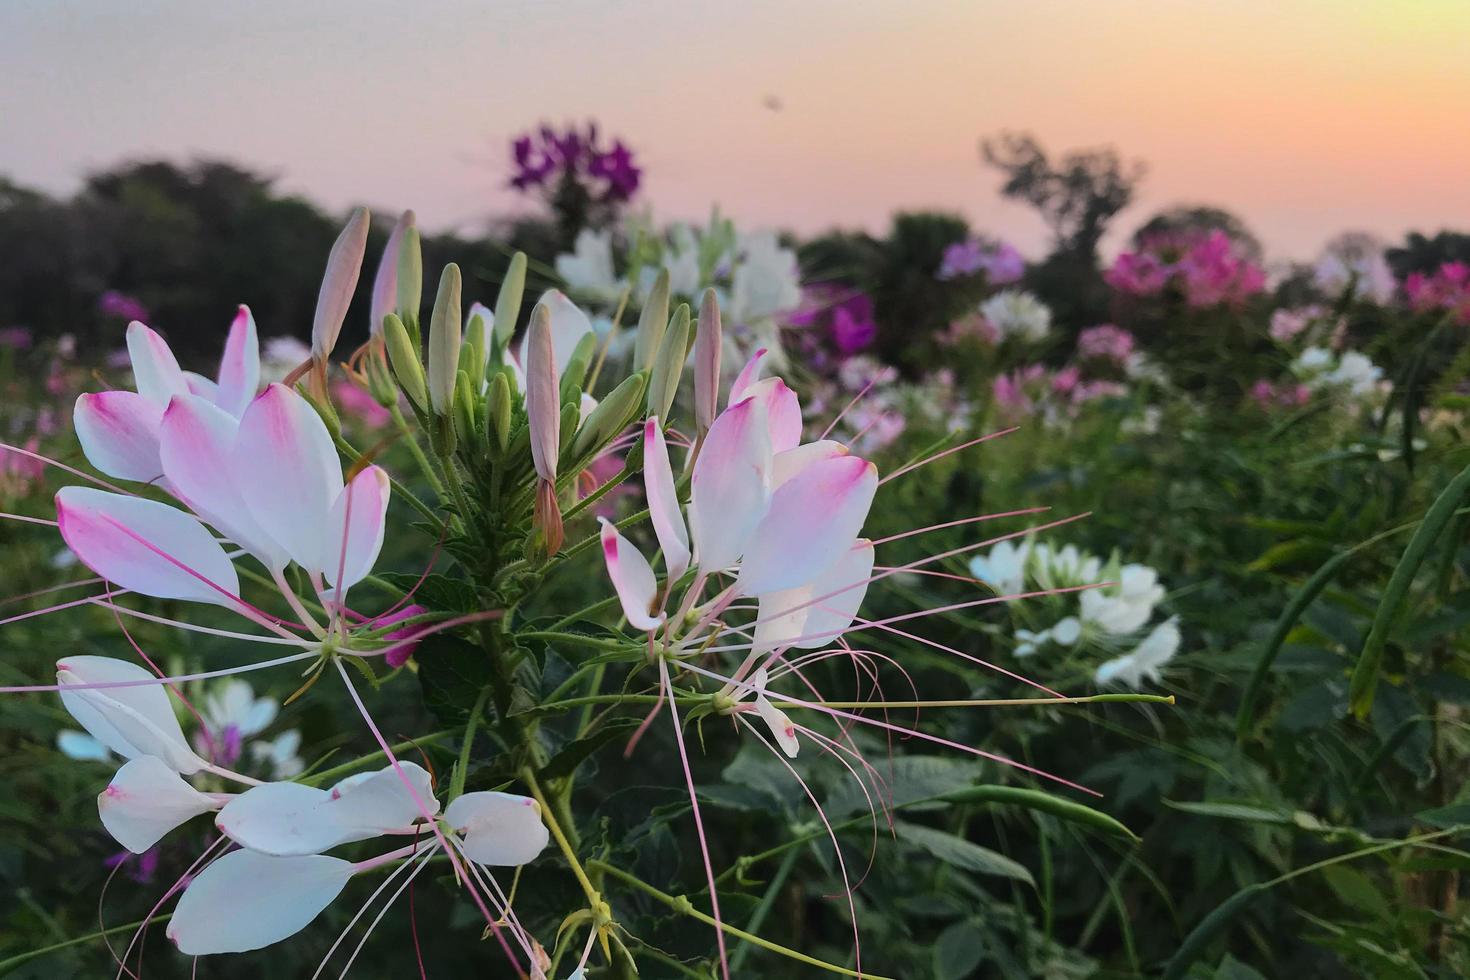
(444, 341)
(652, 322)
(403, 355)
(668, 367)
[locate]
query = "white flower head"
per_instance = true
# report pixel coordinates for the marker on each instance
(1145, 660)
(1016, 313)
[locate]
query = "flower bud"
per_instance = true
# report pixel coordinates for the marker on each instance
(668, 367)
(508, 303)
(379, 377)
(611, 416)
(652, 322)
(444, 341)
(543, 401)
(344, 264)
(464, 409)
(410, 276)
(575, 374)
(707, 343)
(498, 411)
(385, 283)
(472, 355)
(403, 355)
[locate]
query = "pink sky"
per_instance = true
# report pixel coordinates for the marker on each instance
(1304, 117)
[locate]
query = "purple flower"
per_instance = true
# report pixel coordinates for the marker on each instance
(16, 338)
(1000, 261)
(143, 871)
(121, 305)
(398, 655)
(540, 157)
(853, 327)
(1105, 342)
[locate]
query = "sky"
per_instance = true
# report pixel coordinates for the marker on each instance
(1306, 118)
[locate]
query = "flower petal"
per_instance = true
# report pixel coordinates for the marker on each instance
(830, 615)
(499, 829)
(783, 412)
(287, 471)
(146, 546)
(568, 326)
(131, 721)
(355, 528)
(748, 376)
(197, 445)
(814, 518)
(791, 462)
(781, 728)
(730, 487)
(239, 368)
(118, 431)
(663, 500)
(156, 373)
(146, 800)
(632, 577)
(247, 900)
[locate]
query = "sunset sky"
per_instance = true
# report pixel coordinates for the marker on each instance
(1304, 117)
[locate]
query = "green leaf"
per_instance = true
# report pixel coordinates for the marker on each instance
(1446, 816)
(909, 778)
(959, 950)
(452, 673)
(1358, 891)
(437, 592)
(573, 754)
(961, 853)
(1033, 799)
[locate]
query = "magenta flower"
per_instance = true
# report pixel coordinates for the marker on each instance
(1207, 269)
(540, 159)
(16, 338)
(1138, 273)
(1447, 288)
(360, 404)
(400, 652)
(1105, 342)
(121, 305)
(999, 261)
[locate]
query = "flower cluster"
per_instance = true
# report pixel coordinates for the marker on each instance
(1355, 262)
(1348, 373)
(1447, 289)
(1053, 395)
(999, 261)
(1106, 342)
(1016, 313)
(1206, 269)
(835, 317)
(1109, 620)
(546, 156)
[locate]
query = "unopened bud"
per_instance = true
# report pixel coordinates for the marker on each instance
(444, 340)
(498, 411)
(410, 277)
(543, 401)
(575, 374)
(652, 322)
(508, 303)
(379, 377)
(668, 367)
(611, 416)
(344, 265)
(707, 343)
(403, 355)
(464, 409)
(385, 283)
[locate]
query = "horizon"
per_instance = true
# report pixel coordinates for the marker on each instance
(883, 112)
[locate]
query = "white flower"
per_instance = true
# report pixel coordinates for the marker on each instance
(1015, 313)
(766, 281)
(281, 754)
(1004, 569)
(1313, 359)
(1355, 260)
(1028, 642)
(234, 705)
(1355, 372)
(681, 258)
(1060, 569)
(81, 746)
(279, 356)
(588, 269)
(1143, 663)
(1125, 608)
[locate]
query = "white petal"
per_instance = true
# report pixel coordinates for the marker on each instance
(146, 800)
(632, 578)
(730, 486)
(131, 721)
(156, 372)
(568, 326)
(146, 546)
(288, 473)
(247, 900)
(499, 829)
(355, 528)
(118, 431)
(239, 367)
(781, 728)
(831, 615)
(789, 463)
(663, 500)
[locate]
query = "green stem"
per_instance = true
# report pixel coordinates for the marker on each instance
(612, 484)
(21, 959)
(398, 487)
(594, 898)
(586, 611)
(682, 905)
(456, 784)
(768, 901)
(418, 453)
(348, 768)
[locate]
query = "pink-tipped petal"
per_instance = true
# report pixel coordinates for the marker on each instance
(118, 431)
(783, 412)
(339, 282)
(543, 395)
(385, 282)
(287, 471)
(730, 486)
(246, 900)
(239, 367)
(146, 800)
(156, 373)
(132, 721)
(568, 326)
(781, 728)
(781, 618)
(146, 546)
(814, 519)
(203, 387)
(197, 444)
(791, 462)
(355, 528)
(499, 829)
(663, 500)
(632, 578)
(748, 376)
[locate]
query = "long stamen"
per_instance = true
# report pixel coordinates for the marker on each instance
(383, 886)
(422, 864)
(947, 452)
(70, 469)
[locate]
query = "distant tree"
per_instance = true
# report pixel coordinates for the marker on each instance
(1077, 195)
(1201, 218)
(1423, 254)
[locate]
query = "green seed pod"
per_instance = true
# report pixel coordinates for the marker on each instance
(652, 323)
(668, 367)
(611, 416)
(508, 303)
(444, 341)
(403, 355)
